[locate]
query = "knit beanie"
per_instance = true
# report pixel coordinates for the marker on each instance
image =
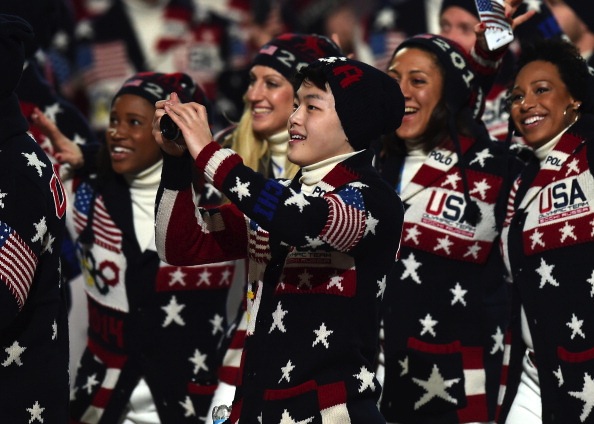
(16, 38)
(290, 52)
(468, 5)
(155, 86)
(368, 102)
(461, 84)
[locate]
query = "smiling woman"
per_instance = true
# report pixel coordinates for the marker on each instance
(548, 240)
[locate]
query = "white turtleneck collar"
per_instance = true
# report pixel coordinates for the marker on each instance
(143, 191)
(543, 151)
(311, 175)
(278, 144)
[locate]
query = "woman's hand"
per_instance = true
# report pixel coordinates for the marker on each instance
(192, 120)
(65, 150)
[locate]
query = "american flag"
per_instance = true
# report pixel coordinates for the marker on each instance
(105, 61)
(107, 234)
(17, 263)
(348, 219)
(492, 13)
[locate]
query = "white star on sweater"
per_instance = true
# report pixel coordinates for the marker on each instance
(314, 242)
(54, 330)
(411, 265)
(78, 139)
(428, 323)
(576, 326)
(586, 396)
(481, 157)
(172, 310)
(52, 111)
(370, 224)
(242, 189)
(498, 339)
(204, 278)
(48, 242)
(211, 191)
(217, 324)
(533, 5)
(287, 419)
(404, 364)
(444, 244)
(573, 166)
(366, 378)
(559, 375)
(36, 412)
(33, 160)
(286, 370)
(199, 361)
(14, 352)
(459, 294)
(2, 196)
(473, 250)
(536, 238)
(413, 234)
(591, 281)
(297, 199)
(177, 276)
(546, 274)
(322, 335)
(304, 279)
(277, 319)
(435, 386)
(188, 407)
(335, 281)
(91, 382)
(381, 287)
(40, 230)
(452, 180)
(567, 231)
(481, 187)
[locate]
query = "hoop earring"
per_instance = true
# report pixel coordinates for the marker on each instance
(575, 110)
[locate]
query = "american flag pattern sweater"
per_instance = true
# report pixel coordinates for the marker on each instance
(548, 238)
(317, 273)
(33, 311)
(446, 303)
(146, 318)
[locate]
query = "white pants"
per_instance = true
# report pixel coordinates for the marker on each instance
(526, 407)
(141, 407)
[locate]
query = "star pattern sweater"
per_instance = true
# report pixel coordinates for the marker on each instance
(446, 303)
(34, 382)
(316, 276)
(147, 318)
(548, 238)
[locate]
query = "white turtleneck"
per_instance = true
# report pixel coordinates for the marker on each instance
(413, 161)
(148, 23)
(278, 144)
(143, 191)
(311, 175)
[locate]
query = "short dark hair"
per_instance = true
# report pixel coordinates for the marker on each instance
(572, 67)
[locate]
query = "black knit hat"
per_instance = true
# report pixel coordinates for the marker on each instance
(468, 5)
(289, 52)
(461, 87)
(368, 102)
(155, 86)
(16, 38)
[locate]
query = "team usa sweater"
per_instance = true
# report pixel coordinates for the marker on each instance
(147, 319)
(548, 241)
(317, 272)
(446, 303)
(33, 310)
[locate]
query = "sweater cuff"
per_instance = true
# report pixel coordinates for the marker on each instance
(177, 171)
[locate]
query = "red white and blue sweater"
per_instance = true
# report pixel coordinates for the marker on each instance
(317, 272)
(33, 308)
(548, 239)
(446, 304)
(147, 319)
